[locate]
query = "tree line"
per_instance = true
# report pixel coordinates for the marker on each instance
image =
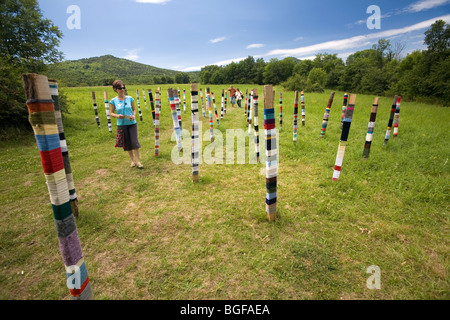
(423, 75)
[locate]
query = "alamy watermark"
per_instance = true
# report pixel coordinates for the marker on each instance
(74, 20)
(233, 149)
(374, 281)
(374, 21)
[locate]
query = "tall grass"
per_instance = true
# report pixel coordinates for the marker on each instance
(154, 234)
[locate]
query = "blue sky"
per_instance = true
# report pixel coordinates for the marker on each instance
(186, 35)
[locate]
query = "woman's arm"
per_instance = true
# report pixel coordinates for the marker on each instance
(134, 111)
(112, 110)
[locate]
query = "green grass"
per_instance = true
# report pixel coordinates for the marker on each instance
(154, 234)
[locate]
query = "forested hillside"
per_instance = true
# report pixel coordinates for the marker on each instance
(98, 71)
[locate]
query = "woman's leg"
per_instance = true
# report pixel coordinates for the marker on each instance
(130, 153)
(136, 157)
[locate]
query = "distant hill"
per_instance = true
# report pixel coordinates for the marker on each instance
(102, 71)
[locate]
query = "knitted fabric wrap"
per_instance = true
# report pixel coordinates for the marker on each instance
(391, 120)
(271, 154)
(208, 103)
(281, 110)
(370, 129)
(222, 102)
(38, 94)
(145, 99)
(195, 131)
(295, 116)
(139, 104)
(215, 108)
(150, 96)
(157, 112)
(255, 107)
(245, 106)
(302, 100)
(250, 104)
(344, 137)
(108, 115)
(225, 104)
(203, 106)
(94, 101)
(178, 106)
(184, 100)
(326, 115)
(176, 123)
(344, 106)
(397, 116)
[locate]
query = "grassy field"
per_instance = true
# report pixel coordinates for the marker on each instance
(154, 234)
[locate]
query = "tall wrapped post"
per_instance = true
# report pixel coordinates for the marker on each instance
(150, 96)
(302, 101)
(94, 101)
(43, 121)
(215, 108)
(139, 104)
(176, 94)
(397, 116)
(221, 110)
(145, 99)
(53, 85)
(203, 106)
(391, 120)
(256, 122)
(225, 105)
(108, 115)
(208, 103)
(271, 154)
(281, 110)
(249, 109)
(344, 106)
(326, 115)
(157, 112)
(369, 135)
(344, 136)
(176, 123)
(250, 103)
(245, 106)
(184, 100)
(195, 132)
(295, 116)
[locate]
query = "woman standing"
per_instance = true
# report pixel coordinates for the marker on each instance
(122, 108)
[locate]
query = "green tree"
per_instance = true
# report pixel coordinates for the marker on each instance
(277, 71)
(27, 43)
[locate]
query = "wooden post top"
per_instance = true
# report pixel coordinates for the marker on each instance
(352, 99)
(194, 87)
(36, 86)
(255, 92)
(268, 96)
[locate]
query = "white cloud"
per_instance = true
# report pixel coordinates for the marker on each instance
(131, 54)
(298, 38)
(153, 1)
(255, 45)
(425, 5)
(353, 42)
(215, 40)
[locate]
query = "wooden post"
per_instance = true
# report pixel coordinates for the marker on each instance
(176, 123)
(326, 115)
(271, 154)
(139, 104)
(397, 116)
(208, 103)
(108, 115)
(295, 116)
(157, 111)
(43, 121)
(344, 136)
(369, 136)
(94, 101)
(255, 123)
(344, 106)
(150, 96)
(302, 99)
(391, 120)
(195, 132)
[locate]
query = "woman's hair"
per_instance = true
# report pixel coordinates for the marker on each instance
(117, 83)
